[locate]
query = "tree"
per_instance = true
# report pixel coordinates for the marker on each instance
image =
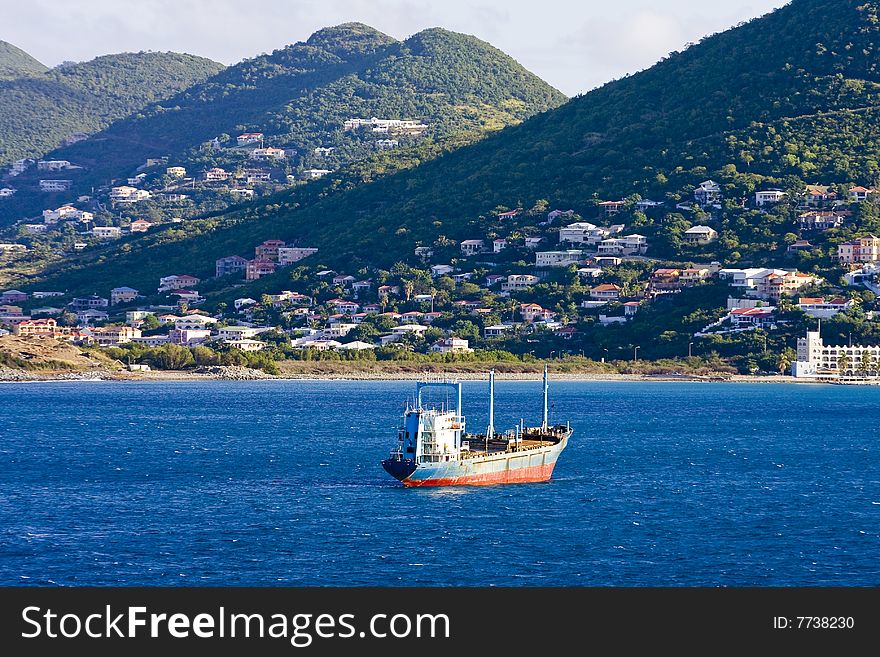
(844, 363)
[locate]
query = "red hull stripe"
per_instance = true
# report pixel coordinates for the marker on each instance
(518, 476)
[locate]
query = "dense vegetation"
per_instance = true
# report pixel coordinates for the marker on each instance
(40, 110)
(731, 106)
(300, 96)
(16, 63)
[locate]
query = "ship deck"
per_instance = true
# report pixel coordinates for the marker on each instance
(479, 448)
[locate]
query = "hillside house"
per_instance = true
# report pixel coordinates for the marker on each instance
(611, 208)
(799, 245)
(769, 197)
(122, 295)
(257, 268)
(111, 336)
(168, 283)
(624, 246)
(13, 296)
(819, 196)
(511, 214)
(707, 193)
(268, 154)
(451, 345)
(254, 176)
(558, 258)
(127, 194)
(107, 232)
(859, 194)
(665, 280)
(441, 270)
(139, 226)
(517, 282)
(55, 185)
(699, 235)
(694, 276)
(742, 318)
(66, 213)
(821, 220)
(216, 174)
(553, 215)
(605, 292)
(361, 286)
(188, 337)
(247, 138)
(268, 250)
(472, 247)
(287, 255)
(863, 249)
(90, 302)
(499, 245)
(229, 265)
(821, 308)
(195, 321)
(343, 306)
(533, 312)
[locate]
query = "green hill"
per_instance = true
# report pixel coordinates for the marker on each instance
(301, 95)
(787, 97)
(16, 63)
(39, 111)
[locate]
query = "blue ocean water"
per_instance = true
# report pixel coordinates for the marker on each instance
(279, 483)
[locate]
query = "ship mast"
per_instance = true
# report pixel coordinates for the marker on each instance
(545, 424)
(490, 432)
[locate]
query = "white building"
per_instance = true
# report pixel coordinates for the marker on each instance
(769, 197)
(55, 185)
(821, 308)
(623, 246)
(707, 193)
(558, 258)
(816, 359)
(584, 233)
(518, 282)
(52, 165)
(287, 255)
(472, 247)
(128, 194)
(107, 232)
(66, 213)
(451, 345)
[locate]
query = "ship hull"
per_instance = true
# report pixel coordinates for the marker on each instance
(529, 466)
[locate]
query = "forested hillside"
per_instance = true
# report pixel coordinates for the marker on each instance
(791, 96)
(40, 109)
(301, 95)
(16, 63)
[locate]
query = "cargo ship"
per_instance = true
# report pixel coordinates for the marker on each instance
(434, 448)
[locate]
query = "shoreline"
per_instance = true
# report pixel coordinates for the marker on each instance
(24, 376)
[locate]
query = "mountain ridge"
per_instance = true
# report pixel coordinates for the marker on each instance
(16, 63)
(726, 104)
(37, 112)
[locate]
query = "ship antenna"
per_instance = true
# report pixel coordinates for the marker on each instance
(491, 430)
(544, 425)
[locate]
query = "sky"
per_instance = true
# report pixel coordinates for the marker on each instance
(575, 45)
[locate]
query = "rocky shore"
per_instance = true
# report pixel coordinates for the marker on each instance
(22, 376)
